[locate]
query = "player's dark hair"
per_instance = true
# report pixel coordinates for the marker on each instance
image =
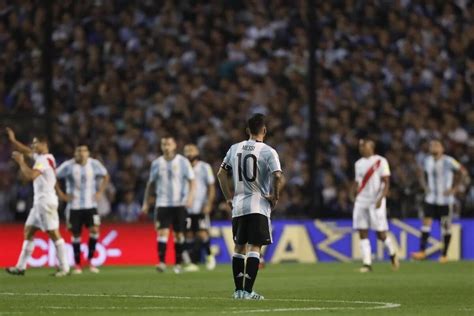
(81, 143)
(256, 123)
(42, 139)
(166, 136)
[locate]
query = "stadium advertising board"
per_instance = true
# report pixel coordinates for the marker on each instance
(303, 241)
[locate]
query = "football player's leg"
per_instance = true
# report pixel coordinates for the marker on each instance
(26, 249)
(361, 221)
(93, 223)
(55, 235)
(51, 224)
(75, 228)
(93, 238)
(446, 233)
(239, 234)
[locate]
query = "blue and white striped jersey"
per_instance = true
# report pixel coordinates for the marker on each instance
(81, 181)
(204, 177)
(440, 177)
(171, 180)
(252, 164)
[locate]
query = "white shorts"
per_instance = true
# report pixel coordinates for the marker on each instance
(366, 216)
(44, 216)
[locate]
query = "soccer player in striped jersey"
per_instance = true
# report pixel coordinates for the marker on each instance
(86, 180)
(441, 178)
(370, 188)
(198, 221)
(251, 180)
(172, 180)
(44, 213)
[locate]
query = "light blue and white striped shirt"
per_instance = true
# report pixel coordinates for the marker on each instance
(440, 177)
(171, 180)
(204, 178)
(81, 182)
(252, 164)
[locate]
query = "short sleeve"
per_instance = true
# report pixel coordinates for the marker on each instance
(99, 169)
(189, 172)
(273, 161)
(454, 164)
(384, 168)
(227, 162)
(153, 171)
(63, 170)
(357, 176)
(209, 175)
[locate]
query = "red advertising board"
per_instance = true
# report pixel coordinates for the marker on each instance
(119, 244)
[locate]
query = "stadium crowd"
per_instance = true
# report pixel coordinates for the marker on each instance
(127, 72)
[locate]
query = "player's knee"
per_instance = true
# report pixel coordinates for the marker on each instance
(363, 234)
(54, 234)
(180, 238)
(382, 236)
(255, 248)
(28, 232)
(445, 225)
(427, 221)
(94, 230)
(163, 232)
(203, 235)
(240, 249)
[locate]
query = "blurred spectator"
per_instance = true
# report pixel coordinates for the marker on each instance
(129, 210)
(127, 72)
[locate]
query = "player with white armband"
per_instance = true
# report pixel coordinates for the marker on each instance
(44, 213)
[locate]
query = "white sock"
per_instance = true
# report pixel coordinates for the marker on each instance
(61, 254)
(366, 252)
(26, 251)
(186, 257)
(389, 245)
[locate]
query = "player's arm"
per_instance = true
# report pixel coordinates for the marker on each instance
(28, 173)
(225, 179)
(102, 186)
(150, 187)
(192, 190)
(278, 182)
(421, 174)
(17, 145)
(211, 196)
(386, 188)
(461, 178)
(62, 196)
(353, 190)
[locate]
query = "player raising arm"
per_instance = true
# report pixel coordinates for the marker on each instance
(44, 213)
(253, 169)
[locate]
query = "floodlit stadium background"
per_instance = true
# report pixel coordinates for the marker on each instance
(120, 74)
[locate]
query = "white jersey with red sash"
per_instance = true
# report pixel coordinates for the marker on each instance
(368, 175)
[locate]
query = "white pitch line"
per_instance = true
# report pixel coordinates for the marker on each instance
(118, 308)
(379, 305)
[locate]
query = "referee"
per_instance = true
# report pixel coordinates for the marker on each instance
(172, 180)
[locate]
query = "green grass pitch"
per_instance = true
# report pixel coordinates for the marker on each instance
(419, 288)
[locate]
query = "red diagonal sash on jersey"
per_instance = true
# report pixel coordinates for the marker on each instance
(368, 175)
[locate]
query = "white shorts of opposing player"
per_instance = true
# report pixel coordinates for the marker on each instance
(367, 216)
(44, 216)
